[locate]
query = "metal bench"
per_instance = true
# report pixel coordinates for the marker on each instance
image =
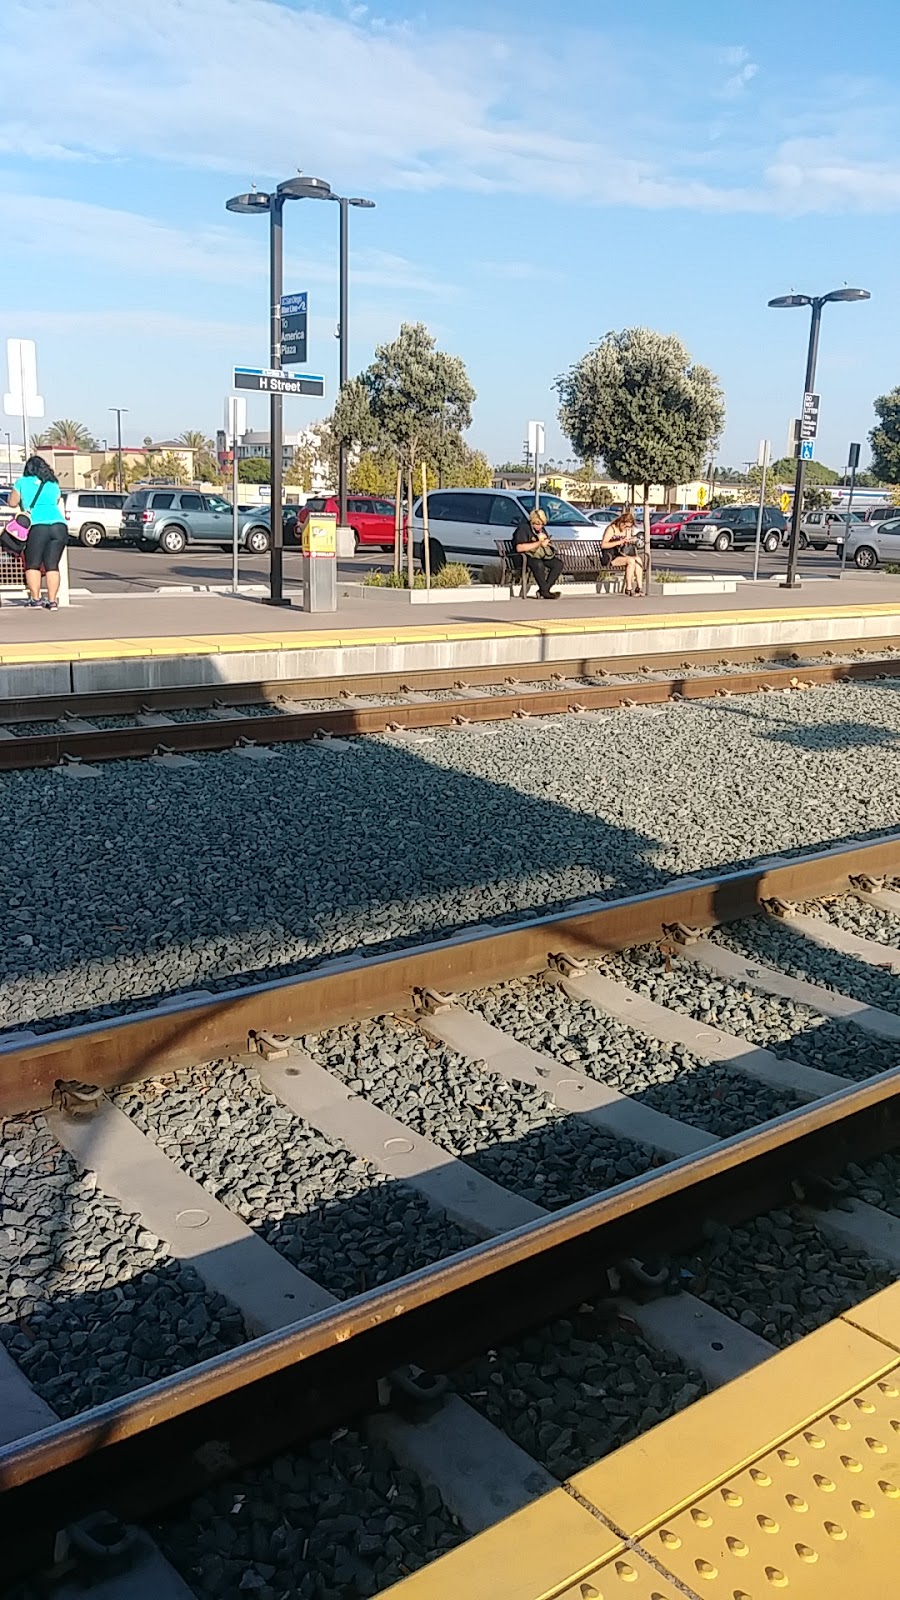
(580, 559)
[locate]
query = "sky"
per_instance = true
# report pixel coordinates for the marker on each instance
(542, 174)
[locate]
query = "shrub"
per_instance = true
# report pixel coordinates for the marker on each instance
(492, 574)
(453, 576)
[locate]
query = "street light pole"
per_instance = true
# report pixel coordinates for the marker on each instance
(815, 302)
(276, 402)
(120, 476)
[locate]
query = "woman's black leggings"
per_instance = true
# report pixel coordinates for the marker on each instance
(44, 546)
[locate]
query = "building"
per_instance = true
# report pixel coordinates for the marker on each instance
(683, 497)
(257, 446)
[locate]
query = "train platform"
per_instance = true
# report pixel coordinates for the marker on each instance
(105, 642)
(785, 1481)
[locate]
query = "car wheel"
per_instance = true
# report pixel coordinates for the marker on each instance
(357, 543)
(258, 541)
(387, 548)
(771, 542)
(722, 542)
(865, 557)
(820, 547)
(91, 535)
(802, 541)
(172, 541)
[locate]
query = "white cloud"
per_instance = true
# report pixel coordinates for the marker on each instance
(385, 105)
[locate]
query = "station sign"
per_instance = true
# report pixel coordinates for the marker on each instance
(274, 380)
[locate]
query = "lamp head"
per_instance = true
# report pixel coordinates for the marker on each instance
(791, 300)
(303, 188)
(246, 204)
(848, 294)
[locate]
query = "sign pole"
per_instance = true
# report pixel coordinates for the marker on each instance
(763, 459)
(853, 463)
(276, 404)
(232, 439)
(24, 401)
(797, 508)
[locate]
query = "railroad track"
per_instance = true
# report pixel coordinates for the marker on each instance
(161, 723)
(598, 1097)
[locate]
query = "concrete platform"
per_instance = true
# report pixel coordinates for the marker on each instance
(157, 641)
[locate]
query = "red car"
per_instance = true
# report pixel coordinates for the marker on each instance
(668, 529)
(371, 519)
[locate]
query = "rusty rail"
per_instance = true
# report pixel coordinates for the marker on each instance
(117, 744)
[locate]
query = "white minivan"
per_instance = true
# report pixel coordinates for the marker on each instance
(93, 515)
(465, 524)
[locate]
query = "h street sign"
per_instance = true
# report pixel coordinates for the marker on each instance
(809, 417)
(271, 380)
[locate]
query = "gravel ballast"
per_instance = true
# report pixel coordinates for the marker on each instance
(577, 1389)
(790, 1031)
(337, 1520)
(779, 1276)
(667, 1078)
(329, 1213)
(775, 942)
(162, 879)
(510, 1133)
(91, 1305)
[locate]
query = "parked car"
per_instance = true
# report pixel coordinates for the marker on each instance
(871, 543)
(465, 524)
(735, 527)
(370, 517)
(602, 519)
(93, 515)
(171, 519)
(819, 529)
(880, 514)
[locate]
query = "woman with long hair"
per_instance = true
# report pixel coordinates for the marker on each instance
(37, 493)
(619, 548)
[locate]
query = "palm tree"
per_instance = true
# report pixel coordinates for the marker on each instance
(193, 439)
(39, 441)
(66, 434)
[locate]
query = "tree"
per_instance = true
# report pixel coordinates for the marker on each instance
(784, 470)
(885, 437)
(206, 465)
(374, 473)
(171, 467)
(68, 435)
(193, 439)
(299, 474)
(254, 469)
(637, 402)
(414, 401)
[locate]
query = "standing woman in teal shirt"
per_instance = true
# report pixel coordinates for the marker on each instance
(37, 493)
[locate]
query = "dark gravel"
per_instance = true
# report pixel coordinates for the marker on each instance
(508, 1132)
(577, 1389)
(779, 1276)
(335, 1521)
(329, 1213)
(91, 1306)
(781, 946)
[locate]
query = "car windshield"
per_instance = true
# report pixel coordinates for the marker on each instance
(559, 512)
(216, 503)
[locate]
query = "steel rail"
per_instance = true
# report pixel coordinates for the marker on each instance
(153, 1447)
(123, 702)
(120, 744)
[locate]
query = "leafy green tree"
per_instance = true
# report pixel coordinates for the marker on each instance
(817, 474)
(638, 403)
(171, 467)
(885, 437)
(254, 469)
(374, 473)
(68, 435)
(206, 465)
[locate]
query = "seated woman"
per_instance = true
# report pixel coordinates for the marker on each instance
(619, 548)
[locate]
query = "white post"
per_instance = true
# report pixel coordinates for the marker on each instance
(231, 438)
(763, 462)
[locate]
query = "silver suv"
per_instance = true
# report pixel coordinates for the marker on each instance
(93, 515)
(171, 519)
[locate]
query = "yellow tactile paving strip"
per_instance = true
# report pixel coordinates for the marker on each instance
(786, 1481)
(390, 634)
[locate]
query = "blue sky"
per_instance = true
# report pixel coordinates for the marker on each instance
(542, 174)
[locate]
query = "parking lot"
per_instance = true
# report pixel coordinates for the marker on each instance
(116, 568)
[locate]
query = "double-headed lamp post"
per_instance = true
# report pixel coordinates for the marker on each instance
(815, 302)
(300, 188)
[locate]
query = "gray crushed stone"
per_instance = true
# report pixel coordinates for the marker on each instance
(876, 1181)
(510, 1133)
(144, 897)
(790, 1031)
(91, 1305)
(332, 1522)
(767, 939)
(328, 1212)
(778, 1275)
(577, 1389)
(667, 1078)
(855, 916)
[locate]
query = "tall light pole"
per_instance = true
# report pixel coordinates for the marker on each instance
(815, 302)
(9, 456)
(120, 476)
(299, 188)
(343, 334)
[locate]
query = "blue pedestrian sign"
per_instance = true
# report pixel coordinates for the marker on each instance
(293, 329)
(807, 450)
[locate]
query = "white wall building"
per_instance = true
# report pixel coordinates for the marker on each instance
(257, 444)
